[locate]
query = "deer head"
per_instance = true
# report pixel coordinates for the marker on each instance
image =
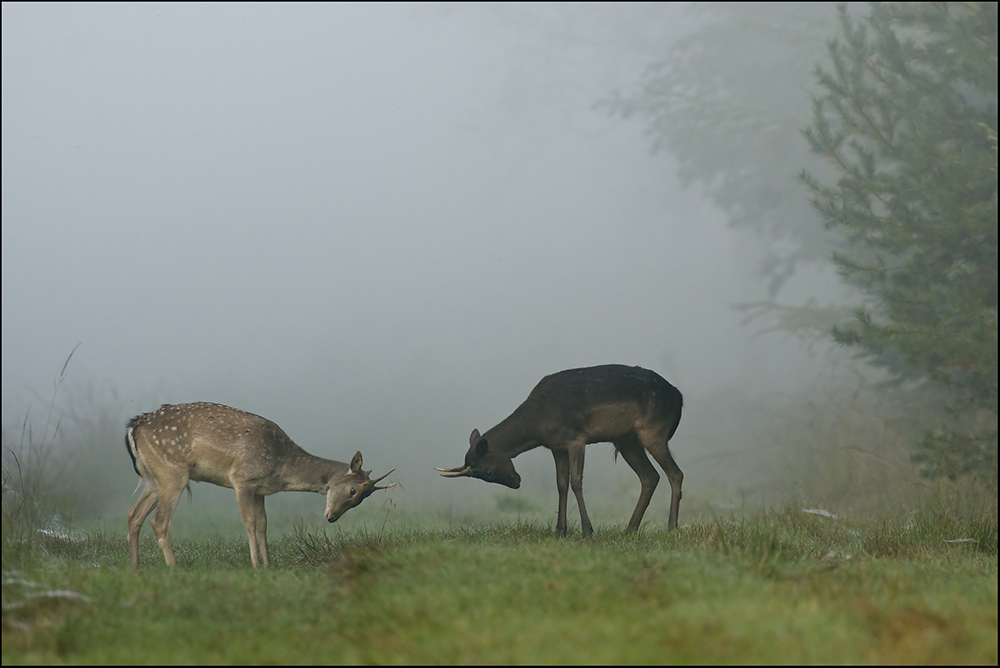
(487, 463)
(349, 490)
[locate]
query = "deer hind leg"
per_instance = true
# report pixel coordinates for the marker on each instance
(245, 497)
(168, 497)
(635, 456)
(260, 528)
(137, 515)
(661, 453)
(576, 455)
(562, 485)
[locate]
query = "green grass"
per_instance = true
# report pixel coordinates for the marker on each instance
(782, 587)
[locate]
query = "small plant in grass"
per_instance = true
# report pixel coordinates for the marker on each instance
(28, 480)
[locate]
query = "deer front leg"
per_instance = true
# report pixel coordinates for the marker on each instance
(261, 528)
(576, 454)
(245, 499)
(562, 485)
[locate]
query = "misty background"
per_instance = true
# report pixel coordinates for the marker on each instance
(380, 226)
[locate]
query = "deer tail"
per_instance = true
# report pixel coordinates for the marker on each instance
(677, 420)
(130, 446)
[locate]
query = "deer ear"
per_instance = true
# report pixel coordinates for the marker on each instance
(356, 462)
(482, 447)
(474, 437)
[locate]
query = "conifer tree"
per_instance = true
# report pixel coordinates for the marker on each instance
(907, 116)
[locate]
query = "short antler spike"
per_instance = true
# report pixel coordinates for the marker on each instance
(383, 478)
(458, 472)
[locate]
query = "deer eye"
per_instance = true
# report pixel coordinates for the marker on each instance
(353, 491)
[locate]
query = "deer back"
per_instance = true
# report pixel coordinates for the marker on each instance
(213, 442)
(598, 403)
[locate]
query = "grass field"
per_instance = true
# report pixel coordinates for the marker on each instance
(784, 586)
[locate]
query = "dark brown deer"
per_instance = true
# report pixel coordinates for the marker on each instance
(633, 408)
(236, 449)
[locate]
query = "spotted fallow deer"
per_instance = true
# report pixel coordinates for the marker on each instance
(633, 408)
(236, 449)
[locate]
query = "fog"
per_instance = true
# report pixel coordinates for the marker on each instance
(378, 226)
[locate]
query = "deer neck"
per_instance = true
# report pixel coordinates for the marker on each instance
(309, 473)
(514, 435)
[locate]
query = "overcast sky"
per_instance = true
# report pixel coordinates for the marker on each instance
(350, 219)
